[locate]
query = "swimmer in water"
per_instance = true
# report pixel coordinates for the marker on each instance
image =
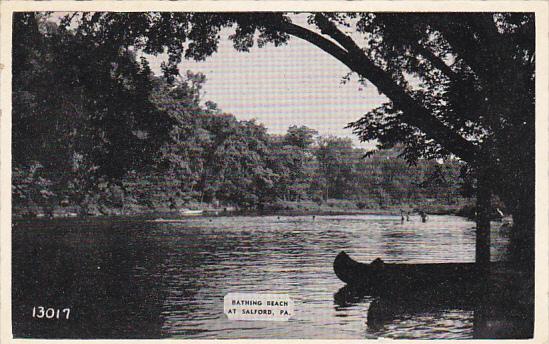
(423, 216)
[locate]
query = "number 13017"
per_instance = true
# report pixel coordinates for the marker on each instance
(50, 313)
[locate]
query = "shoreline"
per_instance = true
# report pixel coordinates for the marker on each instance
(332, 207)
(174, 215)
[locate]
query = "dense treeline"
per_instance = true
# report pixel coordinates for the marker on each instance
(95, 131)
(230, 162)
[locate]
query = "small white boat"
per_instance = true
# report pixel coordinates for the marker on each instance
(167, 220)
(190, 212)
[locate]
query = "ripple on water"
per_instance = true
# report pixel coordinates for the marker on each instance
(192, 264)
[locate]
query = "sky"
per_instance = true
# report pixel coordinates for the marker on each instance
(296, 84)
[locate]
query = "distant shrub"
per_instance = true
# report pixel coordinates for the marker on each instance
(361, 204)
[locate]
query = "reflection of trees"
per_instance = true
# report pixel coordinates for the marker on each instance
(94, 271)
(501, 306)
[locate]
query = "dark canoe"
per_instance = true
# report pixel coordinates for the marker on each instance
(379, 278)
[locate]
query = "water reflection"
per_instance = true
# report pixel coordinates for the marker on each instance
(139, 279)
(442, 316)
(95, 270)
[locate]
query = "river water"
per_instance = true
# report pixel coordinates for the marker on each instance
(127, 278)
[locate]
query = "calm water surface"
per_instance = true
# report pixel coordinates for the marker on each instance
(140, 279)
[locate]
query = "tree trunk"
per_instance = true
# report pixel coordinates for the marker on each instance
(484, 195)
(517, 190)
(522, 240)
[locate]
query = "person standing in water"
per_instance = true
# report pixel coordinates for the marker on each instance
(401, 216)
(423, 216)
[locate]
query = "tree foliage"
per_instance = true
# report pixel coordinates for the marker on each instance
(458, 84)
(81, 113)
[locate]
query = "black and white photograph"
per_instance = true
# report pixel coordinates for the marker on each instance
(275, 174)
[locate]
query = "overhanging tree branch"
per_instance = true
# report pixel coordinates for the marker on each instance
(479, 57)
(436, 61)
(354, 58)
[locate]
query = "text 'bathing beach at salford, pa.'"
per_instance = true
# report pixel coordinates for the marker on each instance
(381, 178)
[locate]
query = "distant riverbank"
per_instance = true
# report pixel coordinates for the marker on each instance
(337, 207)
(287, 208)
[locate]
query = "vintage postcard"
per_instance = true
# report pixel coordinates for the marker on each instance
(272, 170)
